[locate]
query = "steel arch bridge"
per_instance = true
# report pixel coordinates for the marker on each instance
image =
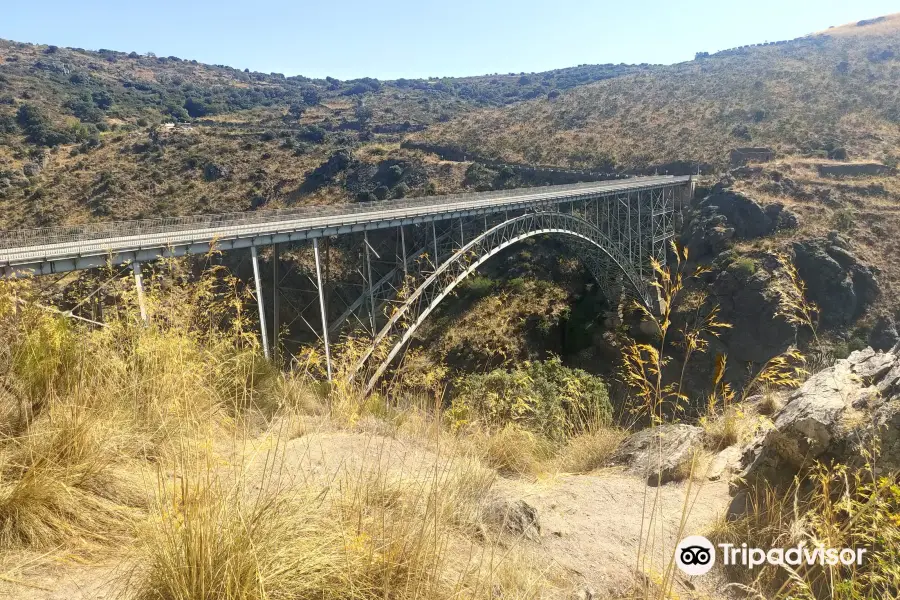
(386, 265)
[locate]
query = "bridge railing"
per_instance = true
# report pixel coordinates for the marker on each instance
(69, 234)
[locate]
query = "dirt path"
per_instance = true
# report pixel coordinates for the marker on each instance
(590, 524)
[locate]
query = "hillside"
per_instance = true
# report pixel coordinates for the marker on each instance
(810, 96)
(81, 136)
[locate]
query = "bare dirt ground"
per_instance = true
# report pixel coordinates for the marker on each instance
(590, 525)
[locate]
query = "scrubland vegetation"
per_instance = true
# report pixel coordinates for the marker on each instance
(178, 449)
(812, 96)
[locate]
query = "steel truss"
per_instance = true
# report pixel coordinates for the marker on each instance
(393, 270)
(614, 236)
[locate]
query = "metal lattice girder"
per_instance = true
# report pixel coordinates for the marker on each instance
(618, 248)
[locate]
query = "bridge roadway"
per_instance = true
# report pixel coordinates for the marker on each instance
(61, 249)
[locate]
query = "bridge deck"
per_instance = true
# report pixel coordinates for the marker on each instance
(69, 248)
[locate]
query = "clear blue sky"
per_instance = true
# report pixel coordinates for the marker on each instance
(421, 38)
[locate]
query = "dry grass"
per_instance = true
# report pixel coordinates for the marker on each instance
(513, 450)
(168, 447)
(590, 450)
(735, 425)
(832, 507)
(375, 532)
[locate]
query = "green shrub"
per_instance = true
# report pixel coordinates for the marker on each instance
(856, 343)
(545, 397)
(843, 220)
(478, 286)
(401, 190)
(743, 267)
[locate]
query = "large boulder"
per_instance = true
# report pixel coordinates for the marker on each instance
(749, 219)
(837, 281)
(834, 417)
(660, 454)
(708, 233)
(743, 213)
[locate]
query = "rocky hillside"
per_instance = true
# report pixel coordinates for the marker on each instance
(83, 134)
(831, 93)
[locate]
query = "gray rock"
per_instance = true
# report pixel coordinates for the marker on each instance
(832, 417)
(837, 281)
(890, 383)
(838, 240)
(751, 305)
(672, 444)
(725, 463)
(708, 233)
(743, 213)
(886, 426)
(585, 592)
(725, 215)
(854, 169)
(515, 517)
(871, 366)
(781, 218)
(31, 169)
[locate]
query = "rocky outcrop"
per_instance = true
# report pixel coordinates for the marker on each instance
(835, 416)
(749, 301)
(726, 214)
(853, 169)
(746, 216)
(884, 333)
(841, 285)
(660, 454)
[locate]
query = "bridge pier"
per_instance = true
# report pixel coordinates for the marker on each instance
(139, 286)
(260, 304)
(276, 299)
(322, 307)
(369, 282)
(403, 254)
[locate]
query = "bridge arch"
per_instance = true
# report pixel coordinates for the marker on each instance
(408, 316)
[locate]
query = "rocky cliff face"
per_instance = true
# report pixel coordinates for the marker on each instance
(837, 281)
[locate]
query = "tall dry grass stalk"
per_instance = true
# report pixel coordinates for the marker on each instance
(660, 401)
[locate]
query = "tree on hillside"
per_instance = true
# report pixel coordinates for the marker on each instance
(311, 96)
(296, 110)
(363, 114)
(37, 127)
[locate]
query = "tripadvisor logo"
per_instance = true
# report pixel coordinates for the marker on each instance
(696, 555)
